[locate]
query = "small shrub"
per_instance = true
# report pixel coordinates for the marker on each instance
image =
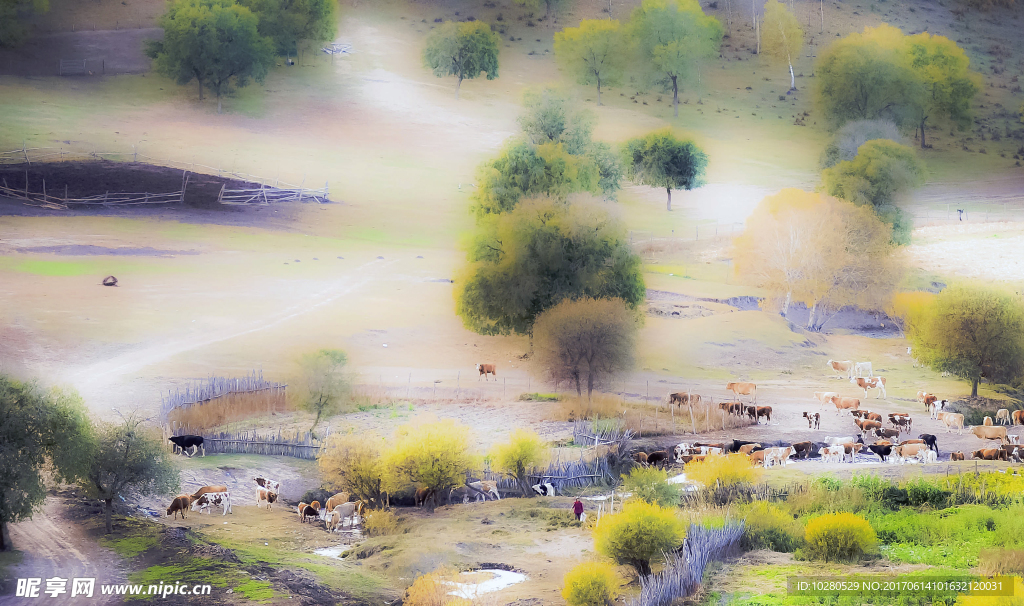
(432, 590)
(769, 526)
(589, 584)
(380, 523)
(921, 491)
(651, 485)
(723, 470)
(839, 537)
(638, 534)
(539, 397)
(994, 561)
(317, 494)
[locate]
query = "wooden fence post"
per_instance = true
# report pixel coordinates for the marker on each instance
(220, 196)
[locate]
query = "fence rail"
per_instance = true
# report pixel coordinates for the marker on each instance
(204, 390)
(297, 444)
(44, 200)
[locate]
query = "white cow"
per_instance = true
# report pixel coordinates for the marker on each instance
(862, 369)
(209, 499)
(936, 408)
(832, 454)
(778, 455)
(336, 519)
(842, 440)
(1003, 416)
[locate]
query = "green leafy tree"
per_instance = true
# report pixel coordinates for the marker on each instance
(583, 340)
(659, 159)
(287, 22)
(435, 456)
(972, 331)
(464, 50)
(322, 385)
(594, 52)
(642, 532)
(949, 83)
(524, 169)
(353, 463)
(37, 431)
(869, 76)
(211, 41)
(877, 175)
(852, 135)
(549, 5)
(528, 260)
(672, 38)
(783, 37)
(524, 451)
(129, 458)
(650, 484)
(12, 29)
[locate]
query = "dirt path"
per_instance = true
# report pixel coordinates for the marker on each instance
(53, 546)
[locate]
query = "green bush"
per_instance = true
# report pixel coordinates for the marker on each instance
(839, 537)
(589, 584)
(641, 532)
(769, 526)
(921, 491)
(651, 485)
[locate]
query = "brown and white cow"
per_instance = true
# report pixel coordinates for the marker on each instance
(871, 383)
(813, 420)
(841, 368)
(989, 433)
(485, 369)
(866, 425)
(954, 420)
(887, 433)
(179, 505)
(211, 499)
(683, 399)
(743, 389)
(990, 454)
(264, 495)
(956, 456)
(263, 482)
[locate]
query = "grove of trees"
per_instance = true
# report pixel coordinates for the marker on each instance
(464, 50)
(289, 22)
(353, 463)
(435, 456)
(12, 29)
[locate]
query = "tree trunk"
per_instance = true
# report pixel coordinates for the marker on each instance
(643, 567)
(810, 317)
(200, 82)
(821, 7)
(669, 190)
(922, 131)
(599, 90)
(785, 306)
(974, 387)
(757, 32)
(218, 99)
(458, 85)
(675, 96)
(5, 537)
(108, 506)
(590, 383)
(579, 388)
(792, 78)
(524, 484)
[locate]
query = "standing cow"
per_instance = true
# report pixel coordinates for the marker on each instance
(743, 389)
(486, 369)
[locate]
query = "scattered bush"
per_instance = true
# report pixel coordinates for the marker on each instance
(432, 590)
(921, 491)
(379, 523)
(650, 485)
(723, 470)
(539, 397)
(589, 584)
(769, 526)
(995, 561)
(638, 534)
(839, 537)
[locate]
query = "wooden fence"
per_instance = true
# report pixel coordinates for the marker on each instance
(588, 433)
(567, 474)
(271, 194)
(43, 199)
(204, 390)
(301, 445)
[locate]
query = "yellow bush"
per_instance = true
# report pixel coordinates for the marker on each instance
(723, 469)
(432, 590)
(639, 533)
(839, 536)
(380, 523)
(589, 584)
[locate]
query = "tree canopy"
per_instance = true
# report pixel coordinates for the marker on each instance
(211, 41)
(524, 451)
(640, 533)
(584, 340)
(545, 250)
(322, 385)
(594, 52)
(782, 36)
(972, 331)
(651, 484)
(949, 83)
(12, 29)
(671, 38)
(659, 159)
(435, 456)
(852, 135)
(549, 5)
(37, 431)
(287, 22)
(464, 50)
(353, 463)
(823, 252)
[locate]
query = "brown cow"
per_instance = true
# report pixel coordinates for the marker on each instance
(905, 442)
(749, 448)
(302, 506)
(813, 420)
(871, 383)
(887, 433)
(422, 496)
(766, 412)
(840, 367)
(743, 389)
(842, 403)
(485, 369)
(338, 499)
(757, 458)
(866, 426)
(640, 457)
(206, 489)
(928, 400)
(683, 399)
(658, 458)
(1013, 451)
(956, 456)
(803, 449)
(988, 432)
(687, 458)
(1018, 417)
(179, 504)
(990, 454)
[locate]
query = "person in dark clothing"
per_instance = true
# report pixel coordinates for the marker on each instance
(577, 508)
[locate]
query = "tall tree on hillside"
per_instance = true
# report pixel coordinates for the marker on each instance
(464, 50)
(782, 37)
(129, 458)
(211, 41)
(549, 5)
(972, 331)
(659, 159)
(594, 52)
(322, 385)
(12, 29)
(949, 83)
(287, 22)
(37, 431)
(672, 38)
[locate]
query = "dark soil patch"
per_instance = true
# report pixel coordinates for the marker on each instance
(82, 179)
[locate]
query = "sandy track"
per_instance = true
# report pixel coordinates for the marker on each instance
(55, 547)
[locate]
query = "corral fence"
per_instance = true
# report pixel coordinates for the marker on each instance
(301, 445)
(263, 190)
(204, 391)
(560, 474)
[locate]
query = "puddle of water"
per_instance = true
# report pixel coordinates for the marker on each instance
(333, 552)
(681, 479)
(500, 579)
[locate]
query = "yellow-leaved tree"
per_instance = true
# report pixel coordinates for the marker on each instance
(815, 249)
(641, 532)
(435, 456)
(782, 36)
(352, 463)
(524, 451)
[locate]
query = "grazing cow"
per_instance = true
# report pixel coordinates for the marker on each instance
(335, 500)
(207, 489)
(757, 458)
(929, 439)
(956, 456)
(842, 403)
(763, 411)
(749, 448)
(841, 368)
(871, 383)
(683, 399)
(778, 455)
(852, 449)
(220, 499)
(866, 426)
(903, 453)
(883, 452)
(184, 442)
(824, 397)
(310, 513)
(641, 457)
(954, 420)
(802, 450)
(987, 422)
(743, 389)
(1013, 451)
(423, 495)
(936, 408)
(658, 458)
(901, 422)
(487, 369)
(1017, 417)
(990, 454)
(860, 414)
(989, 432)
(268, 484)
(336, 517)
(735, 446)
(831, 454)
(813, 420)
(265, 496)
(1003, 416)
(688, 458)
(873, 416)
(302, 506)
(485, 488)
(887, 433)
(179, 504)
(544, 490)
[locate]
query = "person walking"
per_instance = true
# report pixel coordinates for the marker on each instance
(577, 508)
